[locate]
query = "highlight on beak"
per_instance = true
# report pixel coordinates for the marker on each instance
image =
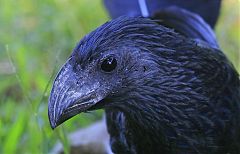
(69, 96)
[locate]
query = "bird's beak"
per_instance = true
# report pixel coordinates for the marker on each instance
(71, 95)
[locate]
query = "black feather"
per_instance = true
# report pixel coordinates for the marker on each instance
(207, 9)
(187, 100)
(187, 23)
(168, 94)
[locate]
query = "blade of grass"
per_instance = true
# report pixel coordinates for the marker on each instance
(26, 96)
(61, 133)
(14, 134)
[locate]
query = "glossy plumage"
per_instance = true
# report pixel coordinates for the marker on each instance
(170, 92)
(207, 9)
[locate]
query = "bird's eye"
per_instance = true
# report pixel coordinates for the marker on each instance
(109, 64)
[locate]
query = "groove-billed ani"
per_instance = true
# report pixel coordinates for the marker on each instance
(163, 91)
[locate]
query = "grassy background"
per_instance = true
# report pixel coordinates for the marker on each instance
(36, 38)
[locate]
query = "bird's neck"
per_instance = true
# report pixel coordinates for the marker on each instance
(144, 127)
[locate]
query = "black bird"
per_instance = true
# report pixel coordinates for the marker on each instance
(207, 9)
(164, 90)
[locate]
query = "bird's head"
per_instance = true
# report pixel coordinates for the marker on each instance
(107, 67)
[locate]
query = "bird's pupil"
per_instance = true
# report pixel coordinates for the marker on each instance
(109, 64)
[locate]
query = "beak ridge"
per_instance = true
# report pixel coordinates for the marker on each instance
(69, 98)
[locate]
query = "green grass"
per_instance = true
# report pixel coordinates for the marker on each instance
(36, 37)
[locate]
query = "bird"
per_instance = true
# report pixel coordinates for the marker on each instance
(207, 9)
(165, 89)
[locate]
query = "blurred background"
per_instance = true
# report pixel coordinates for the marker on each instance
(36, 37)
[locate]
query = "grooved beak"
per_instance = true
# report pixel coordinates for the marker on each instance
(70, 97)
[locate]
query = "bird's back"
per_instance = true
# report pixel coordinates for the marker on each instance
(207, 9)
